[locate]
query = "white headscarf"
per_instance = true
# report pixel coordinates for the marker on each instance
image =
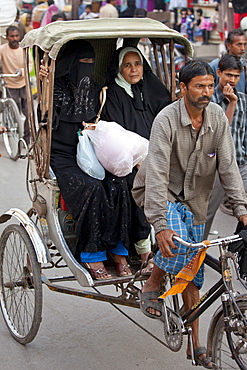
(119, 78)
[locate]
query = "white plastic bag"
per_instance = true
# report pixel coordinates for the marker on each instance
(87, 159)
(117, 149)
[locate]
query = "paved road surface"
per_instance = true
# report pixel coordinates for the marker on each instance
(78, 333)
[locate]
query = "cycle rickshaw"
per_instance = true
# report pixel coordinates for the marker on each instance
(44, 237)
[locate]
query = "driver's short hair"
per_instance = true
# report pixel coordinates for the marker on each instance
(194, 68)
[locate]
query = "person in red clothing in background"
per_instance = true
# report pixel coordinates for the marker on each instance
(240, 11)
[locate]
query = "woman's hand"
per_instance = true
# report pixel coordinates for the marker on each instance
(88, 126)
(2, 129)
(243, 219)
(138, 165)
(43, 71)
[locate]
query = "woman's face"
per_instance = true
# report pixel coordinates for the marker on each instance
(132, 68)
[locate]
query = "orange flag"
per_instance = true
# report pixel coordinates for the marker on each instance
(187, 274)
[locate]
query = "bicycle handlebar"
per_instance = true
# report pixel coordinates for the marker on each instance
(208, 243)
(17, 74)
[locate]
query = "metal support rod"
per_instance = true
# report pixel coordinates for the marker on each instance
(87, 294)
(172, 70)
(159, 72)
(165, 67)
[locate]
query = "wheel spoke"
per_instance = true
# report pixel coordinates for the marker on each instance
(11, 120)
(222, 354)
(21, 290)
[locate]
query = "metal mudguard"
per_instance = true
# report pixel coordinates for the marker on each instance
(42, 252)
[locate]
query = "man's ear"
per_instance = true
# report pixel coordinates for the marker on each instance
(218, 72)
(182, 87)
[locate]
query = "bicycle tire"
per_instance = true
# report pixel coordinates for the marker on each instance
(12, 121)
(20, 284)
(227, 345)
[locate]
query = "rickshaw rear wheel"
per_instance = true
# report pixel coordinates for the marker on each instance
(20, 284)
(12, 121)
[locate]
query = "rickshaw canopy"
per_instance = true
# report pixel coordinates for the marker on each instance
(52, 37)
(105, 35)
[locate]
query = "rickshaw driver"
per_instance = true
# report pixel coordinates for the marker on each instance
(190, 140)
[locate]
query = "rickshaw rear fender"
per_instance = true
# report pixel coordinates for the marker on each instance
(214, 320)
(41, 250)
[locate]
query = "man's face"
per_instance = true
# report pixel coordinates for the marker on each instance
(238, 46)
(13, 38)
(228, 77)
(199, 91)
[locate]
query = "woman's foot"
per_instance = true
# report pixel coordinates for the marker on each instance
(121, 265)
(150, 264)
(146, 271)
(97, 270)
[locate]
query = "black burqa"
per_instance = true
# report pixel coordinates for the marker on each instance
(137, 115)
(101, 208)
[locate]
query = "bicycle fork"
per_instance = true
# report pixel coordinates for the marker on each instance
(233, 324)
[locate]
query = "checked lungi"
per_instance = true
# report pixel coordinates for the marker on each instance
(180, 219)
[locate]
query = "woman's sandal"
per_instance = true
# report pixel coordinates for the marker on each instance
(97, 274)
(204, 361)
(122, 269)
(146, 271)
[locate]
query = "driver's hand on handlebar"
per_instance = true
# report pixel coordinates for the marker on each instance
(164, 239)
(43, 71)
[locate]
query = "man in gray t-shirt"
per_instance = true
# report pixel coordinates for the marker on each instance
(235, 45)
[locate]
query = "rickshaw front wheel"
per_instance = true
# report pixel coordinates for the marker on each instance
(20, 284)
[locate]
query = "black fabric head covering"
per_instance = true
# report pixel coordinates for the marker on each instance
(154, 92)
(75, 92)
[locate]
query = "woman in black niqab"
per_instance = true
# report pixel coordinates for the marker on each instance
(101, 208)
(75, 91)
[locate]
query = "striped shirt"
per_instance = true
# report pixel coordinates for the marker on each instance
(241, 85)
(239, 121)
(186, 163)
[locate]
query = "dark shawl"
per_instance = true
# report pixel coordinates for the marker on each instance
(120, 106)
(75, 92)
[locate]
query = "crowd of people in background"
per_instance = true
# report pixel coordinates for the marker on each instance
(196, 23)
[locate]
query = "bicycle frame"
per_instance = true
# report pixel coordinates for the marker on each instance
(222, 288)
